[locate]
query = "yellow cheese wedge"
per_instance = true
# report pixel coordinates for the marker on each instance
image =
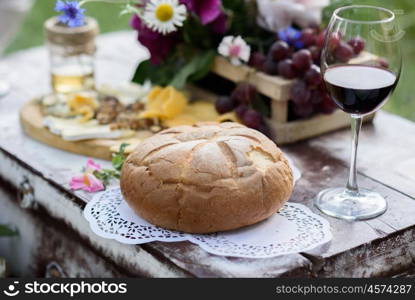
(179, 120)
(153, 94)
(200, 111)
(83, 105)
(172, 108)
(174, 102)
(164, 103)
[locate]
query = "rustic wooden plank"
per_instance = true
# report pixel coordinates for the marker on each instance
(373, 241)
(58, 203)
(294, 131)
(192, 258)
(39, 246)
(275, 87)
(279, 111)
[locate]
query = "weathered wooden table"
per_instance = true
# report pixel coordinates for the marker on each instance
(55, 239)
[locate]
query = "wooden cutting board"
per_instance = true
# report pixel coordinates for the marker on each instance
(31, 119)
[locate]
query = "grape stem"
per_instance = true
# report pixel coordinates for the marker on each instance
(352, 182)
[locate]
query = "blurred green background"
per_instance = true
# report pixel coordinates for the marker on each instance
(402, 102)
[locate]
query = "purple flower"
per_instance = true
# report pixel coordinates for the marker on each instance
(73, 14)
(207, 10)
(158, 45)
(220, 24)
(292, 36)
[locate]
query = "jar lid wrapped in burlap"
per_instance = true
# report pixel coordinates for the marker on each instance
(70, 41)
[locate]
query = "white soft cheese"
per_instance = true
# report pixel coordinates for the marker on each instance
(73, 130)
(126, 92)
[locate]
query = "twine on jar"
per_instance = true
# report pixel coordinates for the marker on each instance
(71, 41)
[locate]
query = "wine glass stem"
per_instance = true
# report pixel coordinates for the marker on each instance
(352, 182)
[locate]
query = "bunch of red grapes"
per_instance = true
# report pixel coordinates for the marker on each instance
(297, 56)
(241, 101)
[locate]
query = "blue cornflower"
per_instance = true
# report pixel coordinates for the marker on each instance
(73, 14)
(292, 36)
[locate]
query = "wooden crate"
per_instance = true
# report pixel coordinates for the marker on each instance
(278, 90)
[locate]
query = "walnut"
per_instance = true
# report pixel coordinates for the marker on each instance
(109, 109)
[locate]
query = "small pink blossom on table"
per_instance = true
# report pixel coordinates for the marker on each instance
(87, 181)
(91, 166)
(235, 48)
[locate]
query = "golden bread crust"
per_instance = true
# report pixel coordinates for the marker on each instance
(206, 178)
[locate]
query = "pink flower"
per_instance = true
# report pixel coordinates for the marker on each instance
(235, 48)
(91, 166)
(158, 45)
(87, 181)
(207, 10)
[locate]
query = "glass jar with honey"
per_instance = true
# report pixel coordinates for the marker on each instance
(71, 52)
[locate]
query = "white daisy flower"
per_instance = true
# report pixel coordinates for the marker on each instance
(235, 48)
(164, 16)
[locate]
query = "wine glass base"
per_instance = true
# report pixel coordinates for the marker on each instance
(348, 205)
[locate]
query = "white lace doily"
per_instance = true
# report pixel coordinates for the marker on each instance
(294, 229)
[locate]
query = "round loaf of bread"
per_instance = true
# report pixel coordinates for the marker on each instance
(206, 178)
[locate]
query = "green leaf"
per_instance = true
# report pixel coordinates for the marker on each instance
(122, 148)
(198, 66)
(117, 162)
(119, 157)
(6, 231)
(205, 65)
(197, 35)
(145, 70)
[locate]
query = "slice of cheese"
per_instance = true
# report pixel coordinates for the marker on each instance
(99, 132)
(83, 105)
(126, 92)
(164, 103)
(199, 111)
(74, 130)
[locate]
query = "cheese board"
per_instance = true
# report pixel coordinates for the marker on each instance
(31, 119)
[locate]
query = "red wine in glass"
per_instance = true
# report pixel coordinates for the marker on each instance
(359, 80)
(359, 89)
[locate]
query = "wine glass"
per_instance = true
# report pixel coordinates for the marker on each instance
(360, 64)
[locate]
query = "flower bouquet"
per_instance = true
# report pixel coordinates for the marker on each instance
(259, 58)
